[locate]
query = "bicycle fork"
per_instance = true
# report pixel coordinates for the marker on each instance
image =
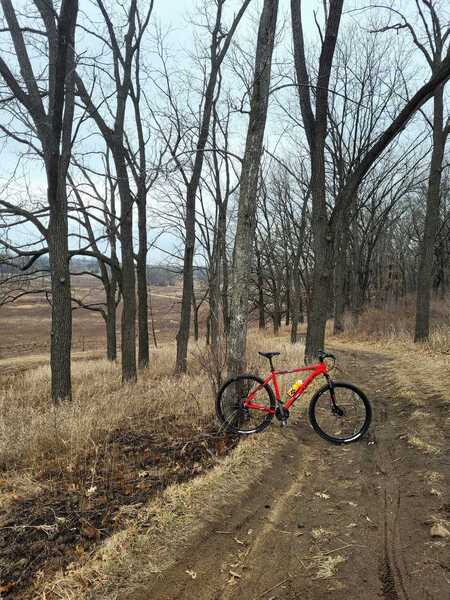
(334, 407)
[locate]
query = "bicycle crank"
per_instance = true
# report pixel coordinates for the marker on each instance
(282, 414)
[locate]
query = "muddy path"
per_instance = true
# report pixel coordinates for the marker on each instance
(324, 522)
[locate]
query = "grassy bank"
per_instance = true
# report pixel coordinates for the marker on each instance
(119, 482)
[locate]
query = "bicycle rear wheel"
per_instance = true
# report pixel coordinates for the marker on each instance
(346, 419)
(234, 416)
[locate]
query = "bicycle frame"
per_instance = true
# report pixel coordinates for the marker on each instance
(317, 370)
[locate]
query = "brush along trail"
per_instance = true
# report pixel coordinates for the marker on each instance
(364, 521)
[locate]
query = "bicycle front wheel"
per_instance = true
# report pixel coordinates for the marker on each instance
(342, 419)
(232, 409)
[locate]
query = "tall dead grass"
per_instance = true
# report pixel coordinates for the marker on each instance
(396, 322)
(34, 434)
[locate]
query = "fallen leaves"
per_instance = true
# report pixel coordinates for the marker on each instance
(90, 532)
(7, 587)
(98, 496)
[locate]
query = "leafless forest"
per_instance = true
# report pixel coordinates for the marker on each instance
(343, 205)
(181, 186)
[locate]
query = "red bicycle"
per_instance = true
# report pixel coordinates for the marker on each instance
(339, 412)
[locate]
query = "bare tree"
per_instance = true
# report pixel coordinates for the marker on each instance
(324, 224)
(123, 60)
(246, 221)
(220, 42)
(95, 210)
(52, 125)
(434, 52)
(219, 183)
(315, 124)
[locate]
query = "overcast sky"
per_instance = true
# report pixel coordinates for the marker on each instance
(173, 16)
(176, 16)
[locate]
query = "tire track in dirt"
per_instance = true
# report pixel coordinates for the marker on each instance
(211, 569)
(392, 568)
(325, 522)
(395, 576)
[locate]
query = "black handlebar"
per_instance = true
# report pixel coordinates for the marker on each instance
(322, 355)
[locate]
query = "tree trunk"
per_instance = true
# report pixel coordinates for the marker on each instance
(216, 316)
(340, 270)
(339, 297)
(288, 295)
(111, 338)
(276, 309)
(316, 129)
(61, 332)
(276, 323)
(195, 312)
(61, 111)
(323, 261)
(246, 221)
(188, 280)
(296, 300)
(141, 271)
(424, 278)
(128, 280)
(301, 316)
(261, 311)
(225, 288)
(217, 57)
(110, 322)
(356, 303)
(323, 245)
(260, 286)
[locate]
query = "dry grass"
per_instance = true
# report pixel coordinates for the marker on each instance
(421, 444)
(75, 450)
(419, 373)
(34, 437)
(320, 534)
(160, 533)
(39, 441)
(32, 431)
(327, 566)
(395, 323)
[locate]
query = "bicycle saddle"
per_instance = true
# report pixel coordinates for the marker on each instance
(269, 355)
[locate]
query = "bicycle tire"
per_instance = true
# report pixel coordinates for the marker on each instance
(317, 421)
(231, 423)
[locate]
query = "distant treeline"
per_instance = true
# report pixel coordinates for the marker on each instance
(159, 275)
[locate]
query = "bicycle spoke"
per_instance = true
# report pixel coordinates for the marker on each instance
(236, 414)
(346, 420)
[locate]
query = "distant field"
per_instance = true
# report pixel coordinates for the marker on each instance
(25, 325)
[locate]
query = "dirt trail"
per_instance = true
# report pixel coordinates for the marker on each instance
(325, 522)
